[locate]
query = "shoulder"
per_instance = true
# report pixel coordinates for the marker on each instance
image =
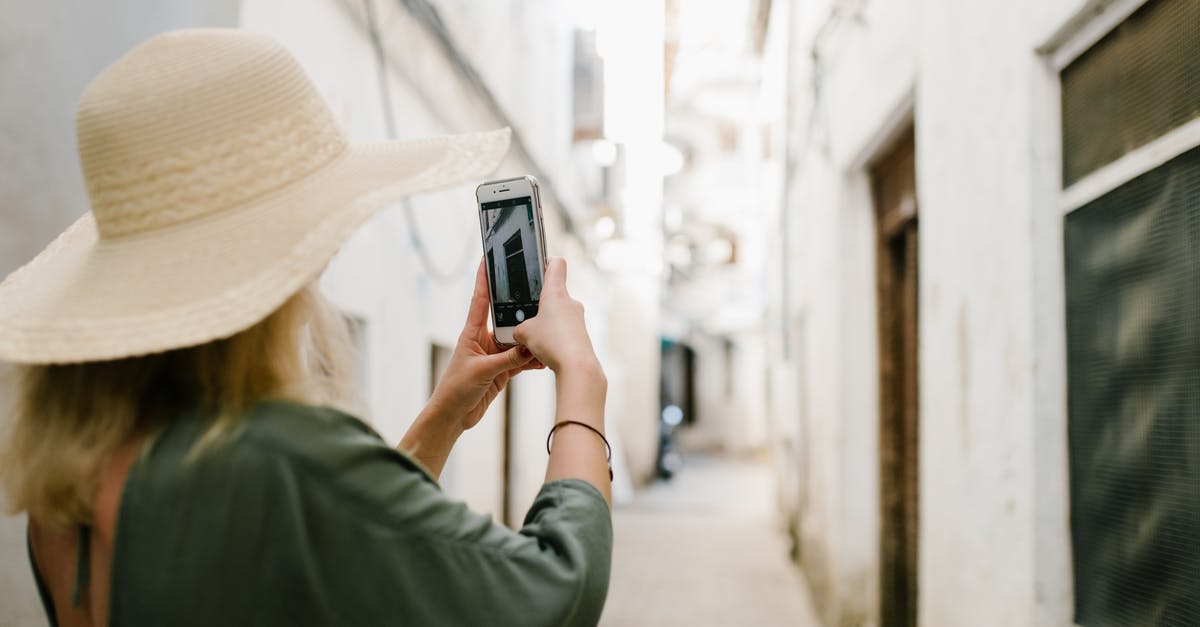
(275, 446)
(260, 512)
(303, 427)
(323, 440)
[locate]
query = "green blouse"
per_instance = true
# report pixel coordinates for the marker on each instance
(305, 516)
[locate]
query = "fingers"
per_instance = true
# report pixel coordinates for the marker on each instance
(477, 315)
(556, 273)
(511, 359)
(533, 364)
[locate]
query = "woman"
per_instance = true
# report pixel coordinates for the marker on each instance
(175, 444)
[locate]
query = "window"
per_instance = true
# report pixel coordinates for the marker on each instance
(1135, 84)
(514, 259)
(1132, 270)
(587, 87)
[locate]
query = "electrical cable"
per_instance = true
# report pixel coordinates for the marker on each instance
(426, 14)
(463, 261)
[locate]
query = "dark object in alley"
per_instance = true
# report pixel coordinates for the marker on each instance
(677, 399)
(669, 460)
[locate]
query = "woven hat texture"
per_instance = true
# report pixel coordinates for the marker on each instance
(220, 185)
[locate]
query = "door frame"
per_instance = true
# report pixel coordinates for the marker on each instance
(897, 307)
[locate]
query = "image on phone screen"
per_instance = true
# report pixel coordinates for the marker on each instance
(514, 266)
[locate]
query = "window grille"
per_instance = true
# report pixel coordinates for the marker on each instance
(1133, 359)
(1132, 264)
(1138, 82)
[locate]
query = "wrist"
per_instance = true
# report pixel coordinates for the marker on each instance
(582, 377)
(583, 368)
(435, 416)
(585, 388)
(429, 440)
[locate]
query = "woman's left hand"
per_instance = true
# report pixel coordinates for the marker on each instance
(479, 368)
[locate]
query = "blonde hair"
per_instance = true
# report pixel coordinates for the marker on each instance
(69, 419)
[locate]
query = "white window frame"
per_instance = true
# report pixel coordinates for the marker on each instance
(1130, 166)
(1077, 34)
(1095, 20)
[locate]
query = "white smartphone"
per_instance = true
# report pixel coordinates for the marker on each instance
(514, 251)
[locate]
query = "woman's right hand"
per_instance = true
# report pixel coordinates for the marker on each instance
(557, 335)
(559, 339)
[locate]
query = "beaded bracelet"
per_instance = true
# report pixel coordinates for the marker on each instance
(607, 446)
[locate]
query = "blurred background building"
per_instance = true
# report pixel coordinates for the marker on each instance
(899, 301)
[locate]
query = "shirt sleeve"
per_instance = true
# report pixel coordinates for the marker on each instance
(554, 571)
(373, 540)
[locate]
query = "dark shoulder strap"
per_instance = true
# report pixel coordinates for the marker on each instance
(83, 564)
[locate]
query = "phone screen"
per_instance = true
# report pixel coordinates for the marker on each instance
(513, 257)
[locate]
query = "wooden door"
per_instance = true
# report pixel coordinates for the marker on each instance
(894, 183)
(518, 277)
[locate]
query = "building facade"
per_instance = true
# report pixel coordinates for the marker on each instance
(943, 286)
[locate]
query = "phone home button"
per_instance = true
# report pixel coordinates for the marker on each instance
(520, 315)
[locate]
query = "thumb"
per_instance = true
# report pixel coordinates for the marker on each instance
(521, 332)
(556, 273)
(498, 363)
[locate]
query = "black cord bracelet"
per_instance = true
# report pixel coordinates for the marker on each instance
(607, 446)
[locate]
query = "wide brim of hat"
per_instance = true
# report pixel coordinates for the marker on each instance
(89, 299)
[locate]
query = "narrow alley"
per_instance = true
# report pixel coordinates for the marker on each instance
(886, 313)
(706, 548)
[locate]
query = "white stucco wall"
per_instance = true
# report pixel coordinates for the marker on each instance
(380, 277)
(993, 511)
(865, 75)
(994, 414)
(379, 274)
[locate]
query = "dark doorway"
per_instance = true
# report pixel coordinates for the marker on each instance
(439, 359)
(518, 280)
(893, 180)
(677, 406)
(506, 504)
(678, 376)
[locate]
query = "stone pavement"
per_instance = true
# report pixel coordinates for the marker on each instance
(705, 550)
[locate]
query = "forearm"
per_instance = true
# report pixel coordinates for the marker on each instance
(430, 439)
(577, 452)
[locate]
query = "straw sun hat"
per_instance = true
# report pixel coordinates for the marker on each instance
(220, 185)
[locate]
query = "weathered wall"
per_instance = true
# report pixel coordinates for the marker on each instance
(832, 335)
(380, 276)
(523, 52)
(993, 544)
(993, 425)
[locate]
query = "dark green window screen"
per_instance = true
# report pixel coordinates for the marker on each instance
(1133, 358)
(1134, 85)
